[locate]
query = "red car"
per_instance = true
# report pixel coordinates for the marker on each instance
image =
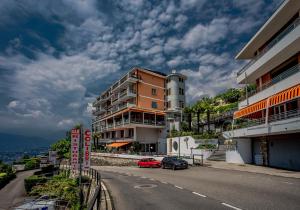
(149, 163)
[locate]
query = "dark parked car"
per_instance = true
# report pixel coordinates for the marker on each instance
(174, 163)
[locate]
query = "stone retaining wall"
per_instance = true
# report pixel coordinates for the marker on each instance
(112, 161)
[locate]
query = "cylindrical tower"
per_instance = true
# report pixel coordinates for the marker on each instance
(175, 91)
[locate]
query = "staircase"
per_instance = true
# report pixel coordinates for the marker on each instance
(219, 154)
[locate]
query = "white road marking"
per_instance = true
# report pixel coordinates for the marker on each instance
(178, 187)
(204, 196)
(143, 177)
(164, 182)
(288, 182)
(230, 206)
(152, 179)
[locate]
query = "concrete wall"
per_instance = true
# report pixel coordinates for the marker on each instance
(242, 154)
(186, 147)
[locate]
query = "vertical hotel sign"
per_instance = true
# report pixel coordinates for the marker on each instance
(87, 149)
(75, 139)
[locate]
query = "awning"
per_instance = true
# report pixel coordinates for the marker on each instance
(118, 144)
(286, 95)
(251, 109)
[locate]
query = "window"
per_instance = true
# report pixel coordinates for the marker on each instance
(153, 91)
(154, 105)
(169, 104)
(181, 104)
(168, 91)
(181, 91)
(180, 79)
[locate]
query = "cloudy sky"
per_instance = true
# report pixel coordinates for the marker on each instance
(57, 55)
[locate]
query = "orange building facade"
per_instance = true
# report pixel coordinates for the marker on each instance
(132, 110)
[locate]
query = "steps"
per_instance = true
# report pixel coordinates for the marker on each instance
(219, 154)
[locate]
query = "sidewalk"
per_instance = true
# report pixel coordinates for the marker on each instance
(14, 192)
(252, 169)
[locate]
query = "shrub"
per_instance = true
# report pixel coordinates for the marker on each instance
(59, 186)
(32, 181)
(207, 146)
(31, 164)
(6, 174)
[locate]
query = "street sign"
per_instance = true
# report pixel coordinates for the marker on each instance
(87, 149)
(75, 140)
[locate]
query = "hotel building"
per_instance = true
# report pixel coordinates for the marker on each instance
(267, 125)
(134, 109)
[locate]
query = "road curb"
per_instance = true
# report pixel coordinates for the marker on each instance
(106, 199)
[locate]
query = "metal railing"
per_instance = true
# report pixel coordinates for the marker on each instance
(289, 72)
(95, 201)
(277, 39)
(245, 123)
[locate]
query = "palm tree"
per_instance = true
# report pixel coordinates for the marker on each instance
(189, 110)
(208, 106)
(96, 137)
(198, 108)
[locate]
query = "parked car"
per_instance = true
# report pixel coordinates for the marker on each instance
(174, 163)
(149, 163)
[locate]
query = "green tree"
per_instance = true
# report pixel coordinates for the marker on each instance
(208, 105)
(198, 108)
(62, 147)
(189, 111)
(231, 95)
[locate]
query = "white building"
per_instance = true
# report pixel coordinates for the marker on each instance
(175, 99)
(267, 124)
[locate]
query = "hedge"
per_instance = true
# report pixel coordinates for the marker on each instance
(32, 181)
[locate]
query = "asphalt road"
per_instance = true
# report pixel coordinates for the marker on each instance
(199, 188)
(14, 192)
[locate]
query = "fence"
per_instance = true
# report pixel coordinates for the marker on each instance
(95, 201)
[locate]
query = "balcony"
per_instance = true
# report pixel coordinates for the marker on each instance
(126, 80)
(98, 100)
(269, 46)
(98, 111)
(281, 48)
(284, 122)
(288, 73)
(127, 94)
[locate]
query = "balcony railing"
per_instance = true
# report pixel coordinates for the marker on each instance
(123, 80)
(245, 123)
(269, 46)
(291, 71)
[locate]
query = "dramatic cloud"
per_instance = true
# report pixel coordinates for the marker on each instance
(57, 56)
